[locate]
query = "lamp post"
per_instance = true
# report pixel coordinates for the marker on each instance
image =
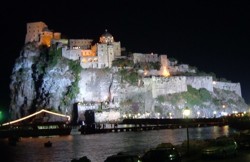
(214, 112)
(186, 113)
(198, 114)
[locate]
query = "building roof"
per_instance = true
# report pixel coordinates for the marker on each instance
(106, 37)
(106, 34)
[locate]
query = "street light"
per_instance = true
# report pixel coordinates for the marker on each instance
(186, 113)
(198, 114)
(214, 112)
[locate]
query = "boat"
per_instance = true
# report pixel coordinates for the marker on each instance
(42, 123)
(36, 129)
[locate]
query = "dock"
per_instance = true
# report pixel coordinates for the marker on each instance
(128, 125)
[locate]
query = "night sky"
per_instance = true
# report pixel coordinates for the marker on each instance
(210, 35)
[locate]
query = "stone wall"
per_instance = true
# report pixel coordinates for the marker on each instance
(235, 87)
(94, 85)
(117, 49)
(180, 69)
(80, 43)
(163, 86)
(102, 53)
(71, 54)
(184, 68)
(140, 57)
(201, 82)
(60, 42)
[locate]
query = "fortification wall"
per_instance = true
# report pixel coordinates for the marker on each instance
(180, 69)
(201, 82)
(163, 86)
(140, 57)
(80, 43)
(117, 49)
(235, 87)
(184, 68)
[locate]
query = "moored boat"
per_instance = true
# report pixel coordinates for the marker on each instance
(41, 123)
(35, 130)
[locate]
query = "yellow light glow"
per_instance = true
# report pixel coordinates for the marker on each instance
(31, 115)
(165, 72)
(87, 53)
(186, 112)
(84, 60)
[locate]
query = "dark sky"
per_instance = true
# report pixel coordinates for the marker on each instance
(212, 35)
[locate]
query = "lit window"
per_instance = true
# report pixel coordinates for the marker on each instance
(84, 60)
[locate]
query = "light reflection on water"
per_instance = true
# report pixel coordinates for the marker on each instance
(98, 146)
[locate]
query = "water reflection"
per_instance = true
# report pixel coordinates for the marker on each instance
(98, 146)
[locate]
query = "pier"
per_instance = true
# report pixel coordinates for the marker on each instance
(128, 125)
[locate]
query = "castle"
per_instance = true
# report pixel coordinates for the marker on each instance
(101, 55)
(169, 79)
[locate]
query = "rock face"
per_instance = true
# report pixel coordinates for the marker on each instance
(42, 78)
(95, 85)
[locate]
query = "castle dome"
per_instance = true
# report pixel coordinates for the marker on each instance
(106, 37)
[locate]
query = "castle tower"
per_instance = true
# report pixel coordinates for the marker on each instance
(107, 50)
(39, 32)
(33, 31)
(45, 37)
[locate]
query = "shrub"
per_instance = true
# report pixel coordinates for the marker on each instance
(160, 99)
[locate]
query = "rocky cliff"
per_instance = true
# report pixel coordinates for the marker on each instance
(42, 78)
